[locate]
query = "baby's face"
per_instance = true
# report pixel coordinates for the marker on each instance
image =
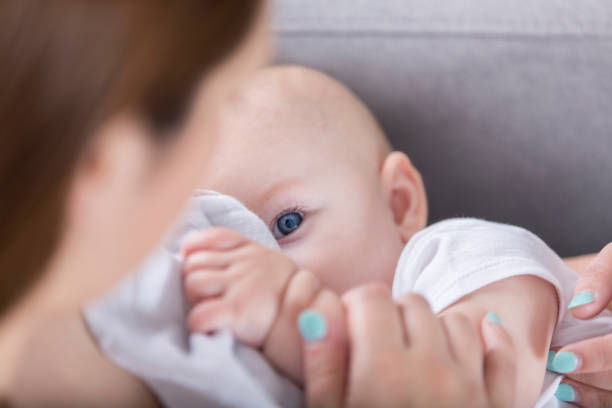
(320, 197)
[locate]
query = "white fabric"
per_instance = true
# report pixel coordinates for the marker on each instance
(453, 258)
(141, 326)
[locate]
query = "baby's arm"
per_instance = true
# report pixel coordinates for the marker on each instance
(254, 291)
(527, 307)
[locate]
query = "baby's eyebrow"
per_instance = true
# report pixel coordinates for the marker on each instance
(277, 188)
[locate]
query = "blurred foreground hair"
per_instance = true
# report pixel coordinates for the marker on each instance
(69, 65)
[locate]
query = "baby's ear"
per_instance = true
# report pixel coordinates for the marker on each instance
(405, 194)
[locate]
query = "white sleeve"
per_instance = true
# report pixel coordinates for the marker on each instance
(453, 258)
(456, 257)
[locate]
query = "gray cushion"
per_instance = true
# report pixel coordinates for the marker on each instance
(505, 106)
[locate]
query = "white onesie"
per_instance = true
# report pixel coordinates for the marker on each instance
(453, 258)
(140, 325)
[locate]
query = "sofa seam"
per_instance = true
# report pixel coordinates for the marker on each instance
(507, 26)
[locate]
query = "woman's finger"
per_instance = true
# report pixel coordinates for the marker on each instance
(583, 395)
(373, 320)
(423, 329)
(325, 351)
(499, 363)
(594, 286)
(464, 342)
(589, 355)
(600, 379)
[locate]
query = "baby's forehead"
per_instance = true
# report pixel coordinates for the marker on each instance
(301, 106)
(294, 125)
(273, 101)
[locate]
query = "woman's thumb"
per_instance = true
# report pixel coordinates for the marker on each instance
(325, 349)
(594, 286)
(499, 362)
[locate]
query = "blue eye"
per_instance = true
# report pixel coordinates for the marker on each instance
(287, 223)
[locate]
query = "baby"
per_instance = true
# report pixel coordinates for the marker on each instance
(305, 155)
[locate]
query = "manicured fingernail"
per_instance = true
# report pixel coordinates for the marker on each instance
(582, 298)
(565, 362)
(549, 360)
(493, 317)
(565, 392)
(312, 325)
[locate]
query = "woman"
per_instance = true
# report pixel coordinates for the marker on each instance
(588, 363)
(103, 107)
(108, 114)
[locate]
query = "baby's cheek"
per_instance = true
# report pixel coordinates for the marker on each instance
(345, 254)
(316, 259)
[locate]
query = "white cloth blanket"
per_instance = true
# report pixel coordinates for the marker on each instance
(140, 325)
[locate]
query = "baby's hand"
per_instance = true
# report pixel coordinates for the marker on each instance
(233, 283)
(256, 292)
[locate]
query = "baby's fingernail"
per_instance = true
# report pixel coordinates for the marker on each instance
(565, 392)
(549, 360)
(312, 325)
(493, 317)
(582, 298)
(565, 362)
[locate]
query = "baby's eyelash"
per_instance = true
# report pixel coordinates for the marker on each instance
(296, 208)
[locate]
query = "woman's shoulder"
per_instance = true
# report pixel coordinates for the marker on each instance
(65, 367)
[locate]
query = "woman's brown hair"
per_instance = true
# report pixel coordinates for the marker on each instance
(68, 65)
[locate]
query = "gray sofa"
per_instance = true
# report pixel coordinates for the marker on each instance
(504, 105)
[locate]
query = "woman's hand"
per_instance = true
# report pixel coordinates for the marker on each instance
(589, 363)
(594, 286)
(401, 355)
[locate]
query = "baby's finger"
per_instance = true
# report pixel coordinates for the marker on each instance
(200, 285)
(499, 363)
(210, 316)
(464, 343)
(212, 239)
(589, 355)
(594, 286)
(301, 289)
(583, 395)
(207, 260)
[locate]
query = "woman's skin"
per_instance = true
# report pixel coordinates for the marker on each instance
(122, 196)
(591, 381)
(408, 358)
(329, 385)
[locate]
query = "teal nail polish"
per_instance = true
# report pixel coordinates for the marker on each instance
(565, 392)
(312, 325)
(493, 317)
(582, 298)
(549, 360)
(565, 362)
